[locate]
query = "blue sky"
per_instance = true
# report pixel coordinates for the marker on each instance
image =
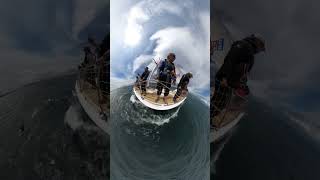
(142, 30)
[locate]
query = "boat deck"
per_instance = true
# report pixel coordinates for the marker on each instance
(90, 92)
(225, 118)
(151, 97)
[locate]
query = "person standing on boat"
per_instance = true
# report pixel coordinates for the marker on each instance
(167, 75)
(233, 73)
(104, 66)
(182, 86)
(88, 65)
(143, 81)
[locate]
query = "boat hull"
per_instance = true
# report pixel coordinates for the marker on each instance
(92, 110)
(217, 135)
(157, 106)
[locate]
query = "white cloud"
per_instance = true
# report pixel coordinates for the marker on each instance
(134, 28)
(190, 42)
(192, 52)
(141, 13)
(140, 61)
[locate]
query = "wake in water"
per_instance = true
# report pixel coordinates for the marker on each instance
(149, 144)
(217, 149)
(143, 114)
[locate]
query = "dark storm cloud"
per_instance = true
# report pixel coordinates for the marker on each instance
(35, 25)
(290, 66)
(40, 38)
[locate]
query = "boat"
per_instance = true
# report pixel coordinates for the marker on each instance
(149, 99)
(227, 118)
(90, 94)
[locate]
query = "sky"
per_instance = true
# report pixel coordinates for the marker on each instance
(286, 75)
(42, 38)
(142, 30)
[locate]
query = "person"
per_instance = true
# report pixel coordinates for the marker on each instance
(233, 73)
(167, 75)
(143, 80)
(183, 85)
(92, 44)
(104, 45)
(104, 65)
(88, 65)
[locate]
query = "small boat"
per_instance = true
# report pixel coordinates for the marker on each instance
(149, 99)
(234, 111)
(92, 98)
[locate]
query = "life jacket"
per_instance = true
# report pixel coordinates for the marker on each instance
(166, 68)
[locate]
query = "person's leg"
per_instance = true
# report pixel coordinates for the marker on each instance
(178, 94)
(143, 87)
(159, 90)
(166, 92)
(159, 87)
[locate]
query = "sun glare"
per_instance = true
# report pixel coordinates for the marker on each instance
(132, 36)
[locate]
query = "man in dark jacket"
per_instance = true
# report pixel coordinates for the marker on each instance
(167, 75)
(182, 86)
(143, 80)
(233, 73)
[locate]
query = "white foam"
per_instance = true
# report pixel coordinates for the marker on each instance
(133, 98)
(73, 118)
(35, 112)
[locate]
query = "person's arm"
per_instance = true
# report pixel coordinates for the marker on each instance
(161, 67)
(174, 75)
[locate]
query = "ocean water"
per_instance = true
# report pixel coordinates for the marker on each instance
(268, 145)
(58, 140)
(148, 144)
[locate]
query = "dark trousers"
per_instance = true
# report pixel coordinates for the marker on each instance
(143, 86)
(179, 91)
(163, 83)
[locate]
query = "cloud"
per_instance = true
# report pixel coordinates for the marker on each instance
(38, 39)
(192, 53)
(134, 28)
(140, 61)
(288, 68)
(286, 76)
(84, 13)
(189, 40)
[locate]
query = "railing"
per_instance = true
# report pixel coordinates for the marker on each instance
(153, 83)
(95, 78)
(225, 102)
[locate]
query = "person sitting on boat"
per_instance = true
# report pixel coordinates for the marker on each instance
(143, 81)
(167, 75)
(182, 86)
(233, 73)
